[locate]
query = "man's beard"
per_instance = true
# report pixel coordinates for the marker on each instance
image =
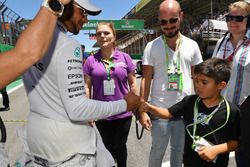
(172, 34)
(75, 31)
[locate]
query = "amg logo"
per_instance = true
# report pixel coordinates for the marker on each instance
(76, 89)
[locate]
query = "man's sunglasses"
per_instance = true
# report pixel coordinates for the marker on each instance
(164, 22)
(235, 18)
(83, 11)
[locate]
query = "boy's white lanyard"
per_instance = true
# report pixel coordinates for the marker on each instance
(179, 41)
(196, 122)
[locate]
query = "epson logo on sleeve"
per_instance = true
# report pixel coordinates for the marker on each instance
(71, 76)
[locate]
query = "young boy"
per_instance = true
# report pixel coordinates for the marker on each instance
(212, 123)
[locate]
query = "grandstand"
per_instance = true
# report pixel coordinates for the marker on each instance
(195, 13)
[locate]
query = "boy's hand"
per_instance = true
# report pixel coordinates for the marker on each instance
(144, 107)
(145, 120)
(207, 153)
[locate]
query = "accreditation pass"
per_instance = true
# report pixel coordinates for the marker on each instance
(109, 87)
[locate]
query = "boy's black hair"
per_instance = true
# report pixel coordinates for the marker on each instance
(216, 68)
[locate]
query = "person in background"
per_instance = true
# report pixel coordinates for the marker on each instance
(111, 73)
(92, 53)
(84, 54)
(58, 133)
(167, 60)
(212, 123)
(5, 100)
(38, 36)
(235, 47)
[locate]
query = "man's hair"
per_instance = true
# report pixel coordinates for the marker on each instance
(215, 68)
(83, 46)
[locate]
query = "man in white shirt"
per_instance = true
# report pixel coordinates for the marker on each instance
(169, 59)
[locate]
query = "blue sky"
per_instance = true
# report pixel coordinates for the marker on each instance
(112, 9)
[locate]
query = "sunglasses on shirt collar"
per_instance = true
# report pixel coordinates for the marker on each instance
(164, 22)
(235, 18)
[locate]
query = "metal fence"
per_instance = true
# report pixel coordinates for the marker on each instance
(212, 35)
(11, 25)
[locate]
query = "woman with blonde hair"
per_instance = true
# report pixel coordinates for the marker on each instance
(109, 72)
(235, 47)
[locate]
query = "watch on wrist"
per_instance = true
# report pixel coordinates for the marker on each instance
(54, 6)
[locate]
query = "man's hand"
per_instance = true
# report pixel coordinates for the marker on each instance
(133, 101)
(145, 120)
(207, 153)
(65, 2)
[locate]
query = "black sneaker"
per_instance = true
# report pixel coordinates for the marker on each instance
(6, 108)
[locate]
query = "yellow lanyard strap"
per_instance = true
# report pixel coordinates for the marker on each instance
(179, 41)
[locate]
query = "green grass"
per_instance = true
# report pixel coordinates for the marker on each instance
(17, 82)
